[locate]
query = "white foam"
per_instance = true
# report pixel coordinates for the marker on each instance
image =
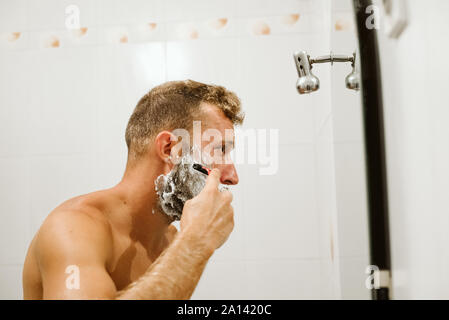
(181, 184)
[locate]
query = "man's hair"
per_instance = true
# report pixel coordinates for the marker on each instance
(175, 105)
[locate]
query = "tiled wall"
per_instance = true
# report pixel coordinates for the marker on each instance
(339, 147)
(349, 153)
(415, 85)
(66, 98)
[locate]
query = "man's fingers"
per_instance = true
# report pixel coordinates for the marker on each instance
(213, 180)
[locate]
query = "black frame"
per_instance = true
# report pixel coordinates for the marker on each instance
(376, 171)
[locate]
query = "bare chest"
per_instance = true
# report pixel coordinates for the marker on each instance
(131, 260)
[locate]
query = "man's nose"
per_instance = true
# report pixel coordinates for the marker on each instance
(229, 174)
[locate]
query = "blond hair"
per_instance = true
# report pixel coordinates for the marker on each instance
(174, 105)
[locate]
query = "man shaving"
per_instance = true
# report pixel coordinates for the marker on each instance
(118, 242)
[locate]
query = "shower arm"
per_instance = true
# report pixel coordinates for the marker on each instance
(333, 58)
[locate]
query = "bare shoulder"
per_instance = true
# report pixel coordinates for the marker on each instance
(72, 227)
(74, 220)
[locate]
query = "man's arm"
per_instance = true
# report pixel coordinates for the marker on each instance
(174, 275)
(207, 220)
(84, 243)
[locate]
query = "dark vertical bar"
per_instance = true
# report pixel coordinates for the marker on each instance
(376, 170)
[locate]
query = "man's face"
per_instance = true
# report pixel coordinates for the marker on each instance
(211, 146)
(217, 143)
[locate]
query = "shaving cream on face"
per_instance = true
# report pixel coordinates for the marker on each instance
(181, 184)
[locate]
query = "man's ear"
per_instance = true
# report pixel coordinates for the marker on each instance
(164, 142)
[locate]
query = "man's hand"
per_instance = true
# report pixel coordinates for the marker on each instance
(209, 217)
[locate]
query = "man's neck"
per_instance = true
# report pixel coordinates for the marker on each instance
(143, 220)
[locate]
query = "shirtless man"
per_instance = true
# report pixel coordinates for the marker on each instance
(122, 248)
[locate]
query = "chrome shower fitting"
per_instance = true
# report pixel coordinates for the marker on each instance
(308, 83)
(352, 80)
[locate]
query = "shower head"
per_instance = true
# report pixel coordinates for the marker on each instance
(353, 79)
(307, 82)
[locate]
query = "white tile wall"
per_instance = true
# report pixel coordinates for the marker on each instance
(64, 111)
(17, 107)
(353, 278)
(351, 200)
(126, 73)
(12, 15)
(212, 286)
(286, 226)
(15, 208)
(326, 202)
(210, 61)
(54, 179)
(349, 161)
(11, 282)
(284, 279)
(268, 87)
